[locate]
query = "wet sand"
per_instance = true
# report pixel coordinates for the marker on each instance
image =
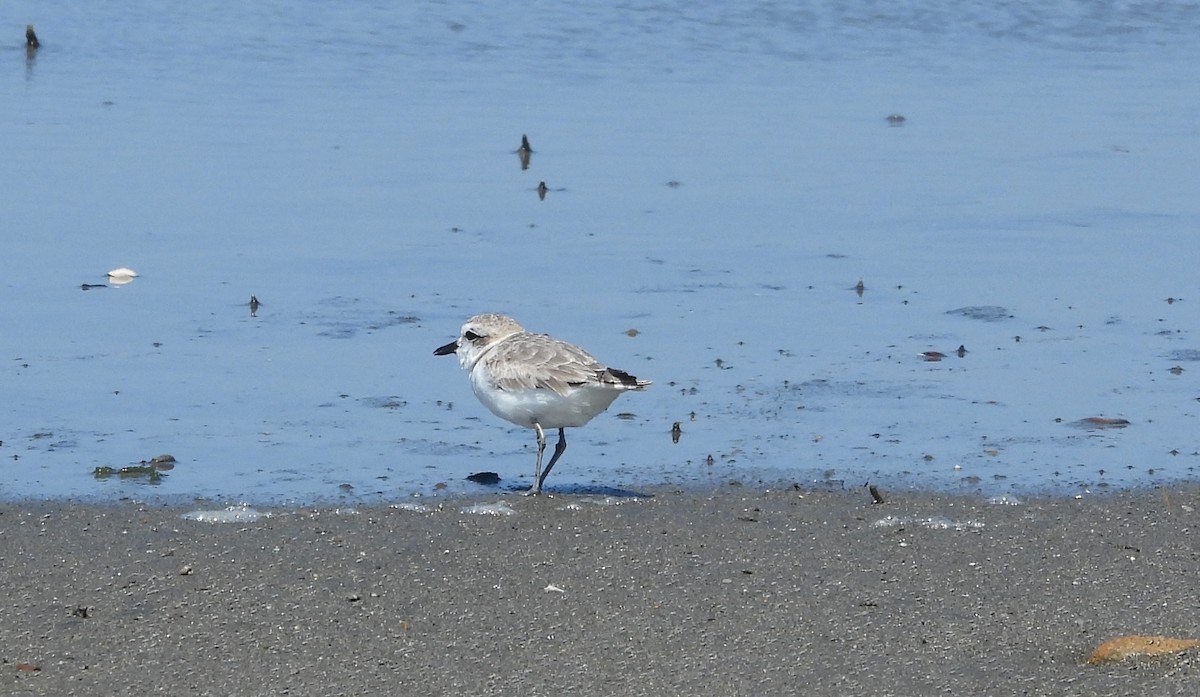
(730, 592)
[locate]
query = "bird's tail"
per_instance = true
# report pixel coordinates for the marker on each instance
(620, 377)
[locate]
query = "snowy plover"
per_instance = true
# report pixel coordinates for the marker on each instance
(535, 381)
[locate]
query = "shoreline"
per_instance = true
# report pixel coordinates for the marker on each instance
(449, 491)
(734, 591)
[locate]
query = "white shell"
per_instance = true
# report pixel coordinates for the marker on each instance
(121, 276)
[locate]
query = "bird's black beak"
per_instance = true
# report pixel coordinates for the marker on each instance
(447, 349)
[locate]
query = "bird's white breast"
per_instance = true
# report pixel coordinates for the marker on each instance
(575, 407)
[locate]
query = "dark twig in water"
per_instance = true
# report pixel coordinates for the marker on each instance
(525, 153)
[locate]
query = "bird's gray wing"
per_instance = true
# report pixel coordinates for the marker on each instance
(530, 361)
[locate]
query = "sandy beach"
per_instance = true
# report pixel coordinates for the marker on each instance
(728, 592)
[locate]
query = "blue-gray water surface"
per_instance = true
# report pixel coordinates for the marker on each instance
(720, 177)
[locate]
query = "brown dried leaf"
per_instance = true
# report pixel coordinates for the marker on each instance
(1103, 422)
(1125, 647)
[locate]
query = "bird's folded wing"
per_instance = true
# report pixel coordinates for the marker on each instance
(539, 361)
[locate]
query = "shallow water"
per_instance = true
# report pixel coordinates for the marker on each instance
(720, 179)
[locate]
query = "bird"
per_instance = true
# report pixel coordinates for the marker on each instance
(535, 381)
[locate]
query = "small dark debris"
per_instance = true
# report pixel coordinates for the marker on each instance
(525, 152)
(1100, 422)
(484, 478)
(983, 313)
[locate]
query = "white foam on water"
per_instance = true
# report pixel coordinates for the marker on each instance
(231, 514)
(1006, 500)
(498, 508)
(931, 522)
(603, 501)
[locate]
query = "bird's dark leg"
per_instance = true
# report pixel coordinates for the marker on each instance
(537, 469)
(558, 451)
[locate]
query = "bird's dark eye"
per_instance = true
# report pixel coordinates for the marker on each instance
(471, 336)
